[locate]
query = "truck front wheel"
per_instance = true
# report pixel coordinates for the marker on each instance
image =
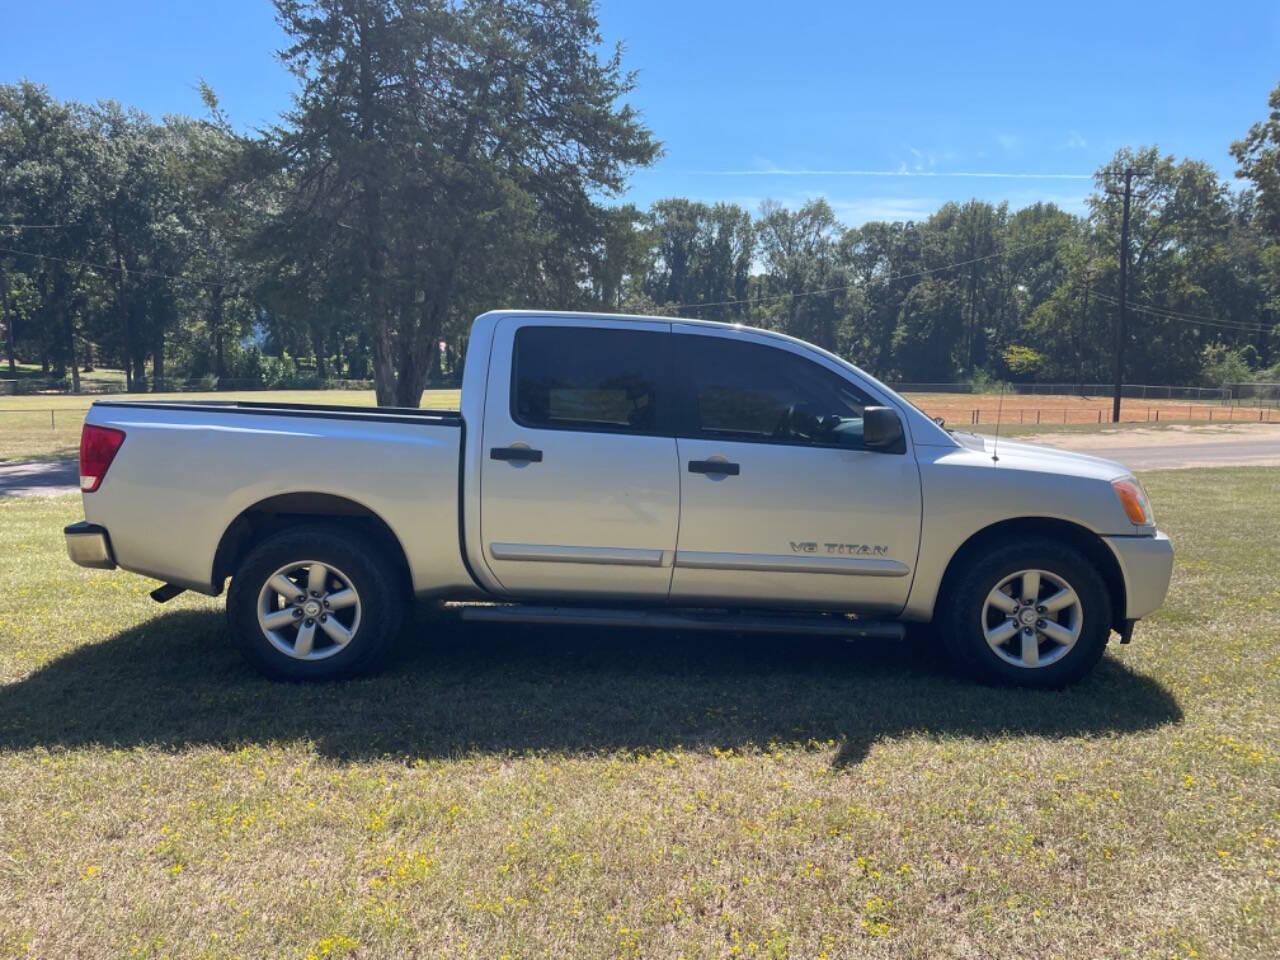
(1034, 613)
(315, 602)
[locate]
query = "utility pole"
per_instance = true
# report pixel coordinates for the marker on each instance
(1122, 319)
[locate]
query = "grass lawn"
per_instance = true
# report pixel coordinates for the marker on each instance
(33, 371)
(538, 792)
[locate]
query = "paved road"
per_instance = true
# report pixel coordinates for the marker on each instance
(39, 478)
(1255, 451)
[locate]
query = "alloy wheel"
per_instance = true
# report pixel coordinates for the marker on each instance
(1032, 618)
(309, 610)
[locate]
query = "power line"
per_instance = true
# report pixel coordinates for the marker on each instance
(850, 286)
(1174, 313)
(150, 274)
(1190, 318)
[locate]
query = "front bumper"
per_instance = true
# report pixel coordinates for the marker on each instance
(1147, 566)
(89, 546)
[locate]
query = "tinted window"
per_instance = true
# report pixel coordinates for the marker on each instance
(747, 391)
(580, 378)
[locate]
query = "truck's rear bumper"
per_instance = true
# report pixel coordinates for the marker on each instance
(1147, 566)
(89, 546)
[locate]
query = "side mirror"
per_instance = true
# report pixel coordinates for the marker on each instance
(882, 430)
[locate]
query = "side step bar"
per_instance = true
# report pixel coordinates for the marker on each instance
(829, 625)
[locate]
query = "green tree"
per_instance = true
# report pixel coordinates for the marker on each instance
(444, 146)
(700, 254)
(802, 270)
(49, 161)
(1258, 160)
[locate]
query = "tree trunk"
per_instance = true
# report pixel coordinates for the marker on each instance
(69, 344)
(60, 327)
(215, 328)
(157, 362)
(418, 344)
(10, 348)
(317, 347)
(122, 308)
(384, 373)
(10, 319)
(384, 377)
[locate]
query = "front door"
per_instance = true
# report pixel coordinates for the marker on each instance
(780, 502)
(579, 487)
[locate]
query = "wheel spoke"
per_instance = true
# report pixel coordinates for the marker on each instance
(279, 619)
(341, 599)
(336, 631)
(285, 587)
(1031, 585)
(306, 637)
(1064, 598)
(1002, 601)
(1030, 649)
(1057, 632)
(317, 578)
(1000, 634)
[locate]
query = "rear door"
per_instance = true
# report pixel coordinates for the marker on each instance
(579, 492)
(780, 501)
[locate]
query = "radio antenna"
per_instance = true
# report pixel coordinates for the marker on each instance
(996, 442)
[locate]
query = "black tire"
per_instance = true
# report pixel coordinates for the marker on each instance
(352, 557)
(960, 614)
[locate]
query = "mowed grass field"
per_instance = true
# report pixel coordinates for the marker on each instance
(536, 792)
(35, 427)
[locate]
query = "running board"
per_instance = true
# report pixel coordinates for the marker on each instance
(829, 625)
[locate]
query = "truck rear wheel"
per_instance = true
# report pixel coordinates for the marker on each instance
(1034, 613)
(315, 602)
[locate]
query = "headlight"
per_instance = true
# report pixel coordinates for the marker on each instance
(1134, 500)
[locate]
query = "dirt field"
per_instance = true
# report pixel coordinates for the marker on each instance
(960, 409)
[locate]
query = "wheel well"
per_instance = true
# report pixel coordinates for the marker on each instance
(274, 514)
(1083, 539)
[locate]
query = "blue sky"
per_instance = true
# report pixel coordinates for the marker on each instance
(751, 97)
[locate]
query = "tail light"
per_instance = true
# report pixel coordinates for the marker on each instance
(98, 446)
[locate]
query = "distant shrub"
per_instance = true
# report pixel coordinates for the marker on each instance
(1222, 364)
(1023, 361)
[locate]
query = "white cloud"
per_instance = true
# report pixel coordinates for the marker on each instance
(854, 213)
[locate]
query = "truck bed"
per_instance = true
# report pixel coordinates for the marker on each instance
(331, 410)
(188, 469)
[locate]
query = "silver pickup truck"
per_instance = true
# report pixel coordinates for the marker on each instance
(623, 471)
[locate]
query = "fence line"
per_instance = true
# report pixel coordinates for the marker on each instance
(1132, 391)
(1230, 413)
(1255, 391)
